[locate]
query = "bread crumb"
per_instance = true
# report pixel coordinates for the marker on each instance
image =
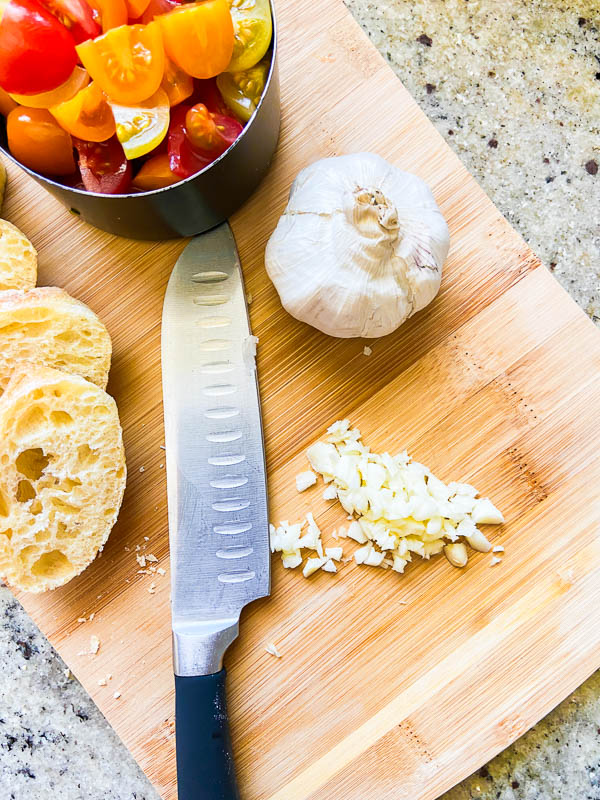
(495, 560)
(367, 351)
(94, 644)
(152, 588)
(92, 615)
(146, 538)
(116, 695)
(161, 571)
(272, 650)
(101, 681)
(249, 298)
(151, 557)
(161, 466)
(142, 469)
(498, 549)
(81, 619)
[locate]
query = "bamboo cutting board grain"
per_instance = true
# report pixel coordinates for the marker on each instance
(389, 686)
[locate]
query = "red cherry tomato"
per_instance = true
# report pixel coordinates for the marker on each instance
(103, 166)
(206, 91)
(77, 17)
(37, 53)
(157, 7)
(185, 158)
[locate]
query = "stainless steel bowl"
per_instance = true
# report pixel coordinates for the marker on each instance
(196, 204)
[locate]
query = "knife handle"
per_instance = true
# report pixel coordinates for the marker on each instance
(205, 768)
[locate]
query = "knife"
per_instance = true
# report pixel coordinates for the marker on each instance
(217, 497)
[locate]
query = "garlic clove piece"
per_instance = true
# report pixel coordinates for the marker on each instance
(456, 554)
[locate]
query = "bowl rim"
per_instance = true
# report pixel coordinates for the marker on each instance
(155, 192)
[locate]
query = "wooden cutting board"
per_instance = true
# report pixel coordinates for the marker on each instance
(389, 686)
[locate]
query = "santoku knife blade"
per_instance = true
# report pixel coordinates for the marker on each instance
(217, 496)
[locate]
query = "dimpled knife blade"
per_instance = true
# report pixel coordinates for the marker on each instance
(216, 481)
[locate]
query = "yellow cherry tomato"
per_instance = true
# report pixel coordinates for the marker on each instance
(77, 80)
(252, 30)
(242, 91)
(140, 128)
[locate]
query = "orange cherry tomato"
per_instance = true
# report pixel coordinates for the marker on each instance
(6, 103)
(78, 80)
(155, 174)
(198, 37)
(135, 8)
(127, 63)
(87, 115)
(177, 84)
(36, 140)
(111, 13)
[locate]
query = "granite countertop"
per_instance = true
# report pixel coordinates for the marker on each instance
(514, 87)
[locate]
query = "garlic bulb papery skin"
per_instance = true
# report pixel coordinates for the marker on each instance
(359, 247)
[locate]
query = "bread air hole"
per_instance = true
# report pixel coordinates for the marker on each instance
(32, 463)
(66, 508)
(86, 456)
(25, 491)
(52, 565)
(31, 421)
(60, 418)
(3, 505)
(7, 533)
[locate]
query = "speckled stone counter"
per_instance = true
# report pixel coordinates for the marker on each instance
(514, 87)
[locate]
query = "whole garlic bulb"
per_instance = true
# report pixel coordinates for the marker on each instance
(359, 247)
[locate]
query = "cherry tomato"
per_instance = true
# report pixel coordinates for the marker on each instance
(142, 127)
(157, 7)
(198, 37)
(110, 13)
(186, 158)
(207, 92)
(135, 8)
(242, 91)
(6, 103)
(87, 115)
(253, 29)
(155, 174)
(127, 63)
(77, 17)
(37, 141)
(78, 80)
(176, 83)
(103, 166)
(37, 53)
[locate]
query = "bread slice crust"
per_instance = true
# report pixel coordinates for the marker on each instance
(46, 326)
(62, 476)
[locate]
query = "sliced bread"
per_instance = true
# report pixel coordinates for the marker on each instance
(49, 327)
(62, 476)
(18, 259)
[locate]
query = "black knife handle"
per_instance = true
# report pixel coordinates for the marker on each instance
(205, 768)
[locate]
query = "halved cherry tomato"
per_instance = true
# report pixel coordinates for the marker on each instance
(78, 80)
(142, 127)
(37, 53)
(155, 174)
(253, 29)
(109, 13)
(6, 103)
(135, 8)
(157, 7)
(198, 37)
(176, 83)
(127, 63)
(77, 17)
(87, 115)
(36, 140)
(186, 158)
(103, 166)
(207, 92)
(243, 90)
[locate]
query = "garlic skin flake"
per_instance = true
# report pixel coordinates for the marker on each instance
(359, 247)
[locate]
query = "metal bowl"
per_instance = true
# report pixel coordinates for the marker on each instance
(197, 203)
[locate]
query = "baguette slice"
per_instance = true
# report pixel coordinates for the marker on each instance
(48, 327)
(18, 259)
(62, 476)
